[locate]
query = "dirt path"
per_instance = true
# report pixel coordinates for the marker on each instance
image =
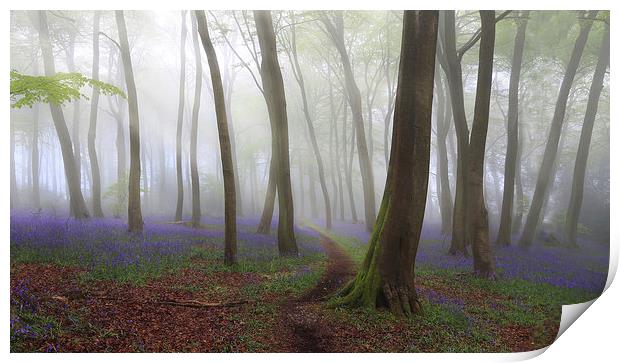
(300, 316)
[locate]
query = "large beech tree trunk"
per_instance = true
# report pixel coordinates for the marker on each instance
(455, 83)
(335, 28)
(273, 86)
(510, 166)
(76, 199)
(544, 175)
(228, 169)
(193, 144)
(92, 127)
(386, 277)
(134, 209)
(576, 196)
(178, 215)
(477, 216)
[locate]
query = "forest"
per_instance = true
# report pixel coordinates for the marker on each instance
(305, 181)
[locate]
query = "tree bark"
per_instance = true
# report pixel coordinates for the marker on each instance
(273, 85)
(335, 28)
(264, 226)
(452, 68)
(505, 227)
(228, 170)
(92, 127)
(576, 196)
(349, 167)
(13, 197)
(477, 216)
(386, 277)
(76, 199)
(134, 210)
(193, 144)
(178, 215)
(551, 149)
(443, 126)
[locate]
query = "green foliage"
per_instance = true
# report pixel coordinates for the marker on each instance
(57, 89)
(118, 193)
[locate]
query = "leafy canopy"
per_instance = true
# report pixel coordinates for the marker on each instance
(57, 89)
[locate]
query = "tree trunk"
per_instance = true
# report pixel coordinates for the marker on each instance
(349, 167)
(36, 195)
(13, 197)
(76, 199)
(455, 82)
(386, 277)
(75, 125)
(264, 226)
(443, 126)
(193, 144)
(134, 210)
(92, 128)
(335, 28)
(299, 77)
(178, 215)
(576, 196)
(510, 166)
(274, 89)
(230, 214)
(477, 216)
(551, 149)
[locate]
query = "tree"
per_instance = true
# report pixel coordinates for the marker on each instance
(193, 144)
(576, 197)
(512, 129)
(76, 199)
(179, 161)
(92, 128)
(477, 216)
(334, 26)
(551, 148)
(386, 276)
(291, 49)
(273, 86)
(443, 127)
(228, 170)
(134, 209)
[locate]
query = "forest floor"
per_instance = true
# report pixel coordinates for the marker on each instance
(71, 292)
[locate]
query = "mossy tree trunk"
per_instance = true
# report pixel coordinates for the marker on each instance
(386, 278)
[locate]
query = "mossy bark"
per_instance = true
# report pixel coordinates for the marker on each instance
(386, 277)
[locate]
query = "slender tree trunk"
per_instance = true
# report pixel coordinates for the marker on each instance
(335, 28)
(386, 276)
(273, 86)
(505, 226)
(477, 216)
(36, 195)
(349, 169)
(337, 163)
(576, 196)
(312, 192)
(264, 226)
(13, 198)
(551, 149)
(443, 126)
(299, 77)
(301, 188)
(75, 125)
(76, 199)
(455, 82)
(92, 128)
(179, 136)
(230, 214)
(134, 210)
(193, 145)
